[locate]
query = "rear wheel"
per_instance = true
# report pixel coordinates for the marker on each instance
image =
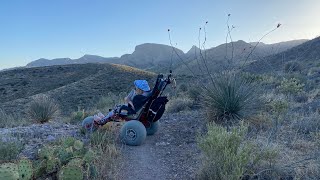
(133, 133)
(153, 128)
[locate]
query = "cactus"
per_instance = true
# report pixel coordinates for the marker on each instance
(75, 162)
(89, 156)
(64, 156)
(93, 172)
(25, 169)
(67, 142)
(71, 172)
(9, 171)
(52, 165)
(78, 145)
(40, 168)
(46, 152)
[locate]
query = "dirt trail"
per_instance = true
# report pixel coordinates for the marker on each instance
(171, 153)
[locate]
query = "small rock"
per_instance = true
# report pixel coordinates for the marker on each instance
(51, 138)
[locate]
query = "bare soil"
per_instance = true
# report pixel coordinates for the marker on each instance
(171, 153)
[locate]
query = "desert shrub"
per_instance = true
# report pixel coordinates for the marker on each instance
(194, 93)
(6, 120)
(110, 100)
(79, 115)
(102, 138)
(43, 108)
(9, 150)
(230, 98)
(183, 88)
(301, 97)
(278, 106)
(291, 86)
(293, 66)
(314, 71)
(179, 104)
(103, 143)
(226, 156)
(307, 124)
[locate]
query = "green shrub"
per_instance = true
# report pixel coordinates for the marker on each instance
(102, 142)
(78, 116)
(226, 156)
(6, 120)
(183, 88)
(42, 109)
(9, 150)
(109, 101)
(291, 86)
(194, 93)
(292, 67)
(230, 98)
(102, 138)
(314, 71)
(179, 104)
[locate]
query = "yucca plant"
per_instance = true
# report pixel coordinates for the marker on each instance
(43, 108)
(230, 98)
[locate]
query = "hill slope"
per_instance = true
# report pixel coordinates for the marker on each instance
(72, 86)
(159, 57)
(307, 54)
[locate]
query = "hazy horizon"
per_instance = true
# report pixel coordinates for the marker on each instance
(70, 29)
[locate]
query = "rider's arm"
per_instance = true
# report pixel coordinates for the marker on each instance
(129, 97)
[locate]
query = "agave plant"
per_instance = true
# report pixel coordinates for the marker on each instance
(230, 98)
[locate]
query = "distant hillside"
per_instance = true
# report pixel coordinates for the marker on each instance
(307, 54)
(63, 61)
(234, 54)
(159, 58)
(72, 86)
(269, 49)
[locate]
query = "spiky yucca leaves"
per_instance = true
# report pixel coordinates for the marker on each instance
(42, 109)
(25, 169)
(229, 98)
(9, 171)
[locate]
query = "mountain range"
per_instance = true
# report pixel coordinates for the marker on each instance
(158, 57)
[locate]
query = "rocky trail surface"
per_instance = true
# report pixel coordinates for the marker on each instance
(171, 153)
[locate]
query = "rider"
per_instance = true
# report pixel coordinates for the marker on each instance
(141, 88)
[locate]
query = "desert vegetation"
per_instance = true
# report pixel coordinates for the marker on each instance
(261, 124)
(261, 114)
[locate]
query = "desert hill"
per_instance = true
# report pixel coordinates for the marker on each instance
(306, 54)
(72, 86)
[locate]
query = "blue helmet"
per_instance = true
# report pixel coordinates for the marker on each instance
(142, 84)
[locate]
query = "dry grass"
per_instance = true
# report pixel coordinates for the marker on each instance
(103, 143)
(9, 149)
(179, 104)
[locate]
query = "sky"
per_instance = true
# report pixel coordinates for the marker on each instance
(33, 29)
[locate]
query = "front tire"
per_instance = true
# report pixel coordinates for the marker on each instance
(133, 133)
(88, 125)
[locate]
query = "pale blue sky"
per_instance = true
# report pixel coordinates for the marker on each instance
(32, 29)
